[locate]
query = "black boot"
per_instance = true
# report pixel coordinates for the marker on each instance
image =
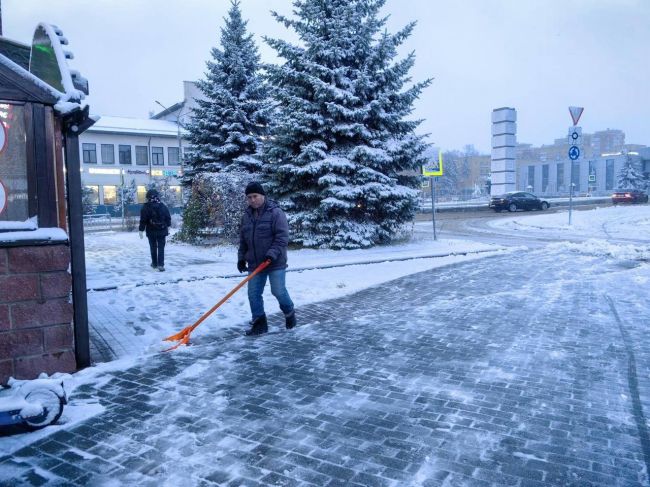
(290, 320)
(259, 326)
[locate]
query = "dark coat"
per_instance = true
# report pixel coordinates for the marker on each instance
(268, 234)
(146, 213)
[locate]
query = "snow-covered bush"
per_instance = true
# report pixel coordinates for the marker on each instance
(214, 208)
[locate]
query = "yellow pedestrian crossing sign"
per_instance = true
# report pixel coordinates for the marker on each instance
(434, 168)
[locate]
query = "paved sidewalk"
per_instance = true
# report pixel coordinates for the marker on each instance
(429, 380)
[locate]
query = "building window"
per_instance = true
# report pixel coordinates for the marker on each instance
(609, 174)
(157, 156)
(142, 194)
(13, 165)
(141, 155)
(108, 154)
(575, 175)
(173, 156)
(544, 178)
(125, 154)
(91, 195)
(110, 195)
(177, 193)
(89, 153)
(560, 177)
(591, 182)
(531, 178)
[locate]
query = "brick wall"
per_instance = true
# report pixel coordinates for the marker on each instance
(36, 333)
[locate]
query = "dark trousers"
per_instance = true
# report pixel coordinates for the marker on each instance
(157, 247)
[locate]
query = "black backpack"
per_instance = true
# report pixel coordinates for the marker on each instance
(157, 220)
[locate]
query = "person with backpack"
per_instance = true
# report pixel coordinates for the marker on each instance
(264, 236)
(155, 219)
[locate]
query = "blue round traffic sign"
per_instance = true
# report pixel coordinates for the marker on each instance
(574, 152)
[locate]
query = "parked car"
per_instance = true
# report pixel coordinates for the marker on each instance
(629, 196)
(517, 200)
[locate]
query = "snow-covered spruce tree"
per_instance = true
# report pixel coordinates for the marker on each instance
(128, 193)
(344, 161)
(630, 177)
(226, 129)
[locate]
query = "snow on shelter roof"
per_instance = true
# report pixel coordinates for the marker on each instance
(44, 65)
(125, 125)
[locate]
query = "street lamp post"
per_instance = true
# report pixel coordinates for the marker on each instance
(180, 144)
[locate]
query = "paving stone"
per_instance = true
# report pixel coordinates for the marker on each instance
(455, 398)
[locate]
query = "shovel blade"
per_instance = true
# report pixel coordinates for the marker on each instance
(185, 332)
(183, 341)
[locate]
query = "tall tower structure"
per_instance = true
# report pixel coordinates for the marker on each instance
(504, 142)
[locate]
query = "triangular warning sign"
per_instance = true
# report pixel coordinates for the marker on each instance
(575, 112)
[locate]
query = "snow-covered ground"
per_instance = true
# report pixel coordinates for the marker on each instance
(155, 304)
(146, 305)
(614, 222)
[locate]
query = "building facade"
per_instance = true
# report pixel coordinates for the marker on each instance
(117, 152)
(548, 171)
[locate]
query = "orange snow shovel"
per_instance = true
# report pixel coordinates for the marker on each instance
(183, 336)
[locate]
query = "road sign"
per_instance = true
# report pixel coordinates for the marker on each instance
(575, 136)
(592, 178)
(3, 197)
(434, 168)
(574, 153)
(575, 112)
(3, 136)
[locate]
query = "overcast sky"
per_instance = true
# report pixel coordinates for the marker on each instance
(538, 56)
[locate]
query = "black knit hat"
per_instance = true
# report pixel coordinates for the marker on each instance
(254, 187)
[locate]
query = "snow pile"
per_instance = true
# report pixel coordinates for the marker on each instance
(602, 248)
(29, 224)
(628, 222)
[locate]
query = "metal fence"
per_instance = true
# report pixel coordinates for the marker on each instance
(98, 222)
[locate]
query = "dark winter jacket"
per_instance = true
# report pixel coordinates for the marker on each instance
(266, 235)
(147, 216)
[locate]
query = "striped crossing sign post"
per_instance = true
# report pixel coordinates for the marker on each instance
(433, 170)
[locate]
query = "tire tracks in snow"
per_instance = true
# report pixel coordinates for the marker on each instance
(633, 385)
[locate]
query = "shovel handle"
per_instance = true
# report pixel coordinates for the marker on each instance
(185, 332)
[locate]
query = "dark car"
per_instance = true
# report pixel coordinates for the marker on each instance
(517, 200)
(629, 196)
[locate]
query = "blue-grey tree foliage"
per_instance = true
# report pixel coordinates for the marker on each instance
(226, 131)
(630, 176)
(227, 127)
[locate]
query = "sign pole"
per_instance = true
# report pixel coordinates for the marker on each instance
(571, 193)
(433, 170)
(433, 209)
(574, 150)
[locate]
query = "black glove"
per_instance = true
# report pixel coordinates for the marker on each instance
(269, 258)
(241, 265)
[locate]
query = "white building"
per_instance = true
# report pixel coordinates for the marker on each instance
(117, 150)
(596, 176)
(182, 111)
